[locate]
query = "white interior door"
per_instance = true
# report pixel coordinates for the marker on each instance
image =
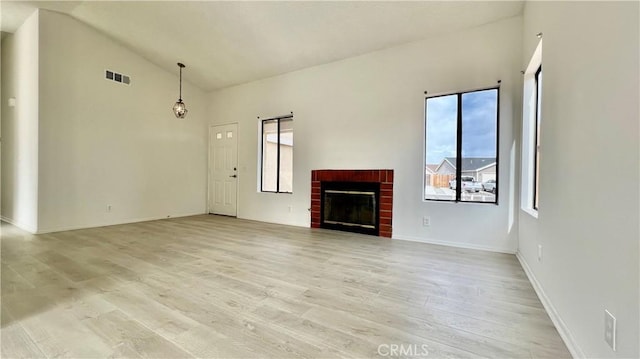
(223, 169)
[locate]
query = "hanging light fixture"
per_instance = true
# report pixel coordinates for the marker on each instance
(180, 109)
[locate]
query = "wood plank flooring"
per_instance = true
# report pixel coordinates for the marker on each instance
(219, 287)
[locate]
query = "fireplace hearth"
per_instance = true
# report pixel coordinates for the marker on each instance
(353, 200)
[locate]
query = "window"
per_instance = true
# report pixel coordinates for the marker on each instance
(538, 117)
(277, 155)
(531, 135)
(461, 147)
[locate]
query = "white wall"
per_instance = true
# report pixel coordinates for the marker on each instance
(588, 227)
(20, 126)
(104, 143)
(368, 112)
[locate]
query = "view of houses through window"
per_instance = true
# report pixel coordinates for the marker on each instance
(277, 155)
(461, 147)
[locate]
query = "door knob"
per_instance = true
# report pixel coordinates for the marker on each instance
(234, 176)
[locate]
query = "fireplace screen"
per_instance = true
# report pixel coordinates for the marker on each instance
(351, 207)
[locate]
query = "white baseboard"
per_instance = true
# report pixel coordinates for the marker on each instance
(454, 244)
(105, 224)
(20, 225)
(304, 224)
(562, 328)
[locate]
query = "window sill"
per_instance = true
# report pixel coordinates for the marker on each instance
(532, 212)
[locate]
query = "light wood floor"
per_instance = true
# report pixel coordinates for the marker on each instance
(209, 286)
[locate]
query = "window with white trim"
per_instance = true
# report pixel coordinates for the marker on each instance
(531, 134)
(538, 119)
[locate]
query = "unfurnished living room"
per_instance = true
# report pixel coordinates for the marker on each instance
(320, 179)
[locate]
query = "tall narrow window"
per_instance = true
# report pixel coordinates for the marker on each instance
(538, 117)
(531, 141)
(277, 155)
(462, 147)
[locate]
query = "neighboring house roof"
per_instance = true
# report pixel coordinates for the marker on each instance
(443, 162)
(432, 168)
(472, 163)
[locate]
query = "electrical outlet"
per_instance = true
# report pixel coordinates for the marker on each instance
(290, 209)
(426, 221)
(108, 208)
(610, 329)
(539, 252)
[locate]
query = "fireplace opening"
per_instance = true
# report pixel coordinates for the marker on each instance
(350, 206)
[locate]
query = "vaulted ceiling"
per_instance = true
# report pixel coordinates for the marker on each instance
(229, 43)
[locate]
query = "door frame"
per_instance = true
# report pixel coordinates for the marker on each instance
(209, 177)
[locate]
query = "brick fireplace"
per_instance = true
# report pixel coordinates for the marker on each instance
(384, 178)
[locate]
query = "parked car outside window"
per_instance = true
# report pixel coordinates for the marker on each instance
(469, 184)
(489, 186)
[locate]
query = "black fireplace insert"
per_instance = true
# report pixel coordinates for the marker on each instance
(350, 206)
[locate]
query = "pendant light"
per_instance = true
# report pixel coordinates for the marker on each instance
(180, 109)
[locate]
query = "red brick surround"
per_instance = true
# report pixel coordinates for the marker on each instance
(384, 177)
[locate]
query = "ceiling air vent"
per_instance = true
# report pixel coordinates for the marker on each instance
(114, 76)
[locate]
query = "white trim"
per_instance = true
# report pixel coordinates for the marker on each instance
(208, 207)
(20, 225)
(562, 328)
(454, 244)
(528, 130)
(424, 151)
(530, 211)
(259, 158)
(106, 224)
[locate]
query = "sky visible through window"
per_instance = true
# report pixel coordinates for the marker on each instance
(478, 125)
(441, 128)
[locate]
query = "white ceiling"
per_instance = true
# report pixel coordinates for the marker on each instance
(229, 43)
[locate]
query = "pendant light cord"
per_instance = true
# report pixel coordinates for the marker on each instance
(180, 83)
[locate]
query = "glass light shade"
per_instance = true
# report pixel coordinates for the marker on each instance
(180, 109)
